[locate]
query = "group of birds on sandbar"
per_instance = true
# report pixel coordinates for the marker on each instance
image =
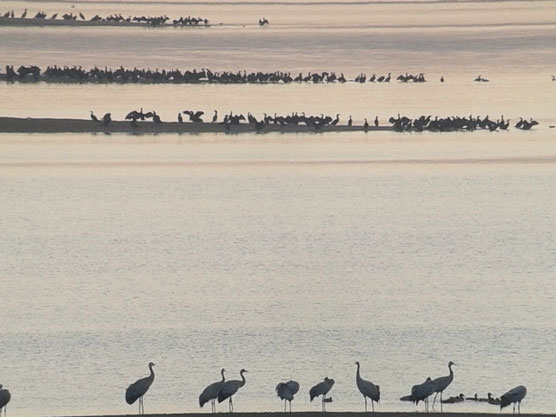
(152, 21)
(456, 123)
(77, 74)
(399, 123)
(232, 119)
(404, 78)
(223, 389)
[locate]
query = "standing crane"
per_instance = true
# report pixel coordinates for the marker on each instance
(367, 388)
(422, 392)
(211, 392)
(5, 397)
(138, 389)
(230, 388)
(322, 388)
(442, 383)
(286, 391)
(515, 395)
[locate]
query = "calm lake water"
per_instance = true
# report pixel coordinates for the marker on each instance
(292, 256)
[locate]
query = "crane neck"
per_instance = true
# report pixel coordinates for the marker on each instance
(358, 375)
(222, 372)
(242, 378)
(152, 371)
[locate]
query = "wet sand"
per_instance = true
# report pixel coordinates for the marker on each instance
(29, 125)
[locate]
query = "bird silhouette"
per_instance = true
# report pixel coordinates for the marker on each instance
(138, 389)
(441, 383)
(93, 117)
(211, 392)
(194, 117)
(367, 389)
(321, 388)
(107, 118)
(5, 397)
(515, 395)
(491, 400)
(286, 392)
(229, 388)
(422, 392)
(453, 400)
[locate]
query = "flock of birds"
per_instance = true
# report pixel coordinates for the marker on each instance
(152, 21)
(456, 123)
(78, 74)
(399, 123)
(223, 389)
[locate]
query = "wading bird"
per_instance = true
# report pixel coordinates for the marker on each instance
(286, 391)
(5, 397)
(93, 117)
(367, 388)
(442, 383)
(230, 388)
(211, 392)
(514, 396)
(137, 390)
(422, 392)
(322, 388)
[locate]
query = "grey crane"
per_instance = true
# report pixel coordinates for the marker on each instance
(441, 383)
(367, 388)
(286, 391)
(321, 388)
(229, 388)
(5, 397)
(515, 395)
(137, 390)
(211, 392)
(422, 392)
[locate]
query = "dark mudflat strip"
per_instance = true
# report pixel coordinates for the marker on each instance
(29, 125)
(495, 412)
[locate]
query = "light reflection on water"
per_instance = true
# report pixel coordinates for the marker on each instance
(268, 267)
(289, 255)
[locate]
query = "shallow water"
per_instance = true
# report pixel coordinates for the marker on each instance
(289, 255)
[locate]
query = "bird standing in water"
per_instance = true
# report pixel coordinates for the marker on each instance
(138, 389)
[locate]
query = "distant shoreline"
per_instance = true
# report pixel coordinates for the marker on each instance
(52, 125)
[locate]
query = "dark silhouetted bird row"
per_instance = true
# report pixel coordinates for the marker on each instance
(77, 74)
(455, 123)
